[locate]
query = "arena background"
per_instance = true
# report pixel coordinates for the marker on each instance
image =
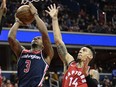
(74, 34)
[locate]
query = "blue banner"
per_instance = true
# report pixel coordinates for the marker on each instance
(25, 36)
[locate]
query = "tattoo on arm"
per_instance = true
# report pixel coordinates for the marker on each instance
(62, 51)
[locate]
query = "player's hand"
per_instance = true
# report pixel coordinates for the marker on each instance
(32, 8)
(52, 11)
(3, 8)
(20, 22)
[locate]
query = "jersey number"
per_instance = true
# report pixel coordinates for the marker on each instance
(28, 63)
(73, 82)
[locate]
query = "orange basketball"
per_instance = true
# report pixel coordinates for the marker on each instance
(24, 14)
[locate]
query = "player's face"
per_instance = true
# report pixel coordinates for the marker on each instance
(84, 53)
(37, 41)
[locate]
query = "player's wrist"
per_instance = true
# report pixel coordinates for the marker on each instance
(17, 21)
(54, 18)
(35, 14)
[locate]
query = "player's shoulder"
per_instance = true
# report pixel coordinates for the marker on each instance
(72, 64)
(25, 51)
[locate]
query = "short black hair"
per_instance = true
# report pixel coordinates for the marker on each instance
(93, 52)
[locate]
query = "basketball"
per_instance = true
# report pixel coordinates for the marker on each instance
(24, 14)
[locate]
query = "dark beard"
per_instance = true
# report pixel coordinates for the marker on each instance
(78, 60)
(34, 45)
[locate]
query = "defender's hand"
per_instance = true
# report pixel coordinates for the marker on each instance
(52, 11)
(3, 8)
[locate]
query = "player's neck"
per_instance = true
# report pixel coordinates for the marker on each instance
(35, 49)
(80, 64)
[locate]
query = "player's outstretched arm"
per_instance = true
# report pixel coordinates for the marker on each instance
(43, 29)
(13, 42)
(4, 4)
(3, 9)
(61, 48)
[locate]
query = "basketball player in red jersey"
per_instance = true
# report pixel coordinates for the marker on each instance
(77, 72)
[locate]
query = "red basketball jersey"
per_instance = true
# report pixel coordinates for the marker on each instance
(74, 77)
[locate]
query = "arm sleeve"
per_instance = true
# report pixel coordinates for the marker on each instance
(91, 82)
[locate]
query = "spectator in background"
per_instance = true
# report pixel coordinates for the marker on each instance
(3, 10)
(114, 20)
(114, 78)
(106, 82)
(8, 83)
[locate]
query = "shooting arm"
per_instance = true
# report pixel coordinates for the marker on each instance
(2, 8)
(4, 3)
(46, 41)
(14, 44)
(48, 50)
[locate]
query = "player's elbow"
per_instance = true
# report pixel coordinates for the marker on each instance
(10, 38)
(57, 40)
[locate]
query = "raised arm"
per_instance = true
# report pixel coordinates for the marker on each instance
(43, 29)
(14, 44)
(4, 3)
(61, 48)
(3, 9)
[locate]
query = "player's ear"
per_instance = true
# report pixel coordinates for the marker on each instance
(89, 56)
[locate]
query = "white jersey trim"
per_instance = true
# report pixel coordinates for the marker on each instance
(46, 68)
(44, 59)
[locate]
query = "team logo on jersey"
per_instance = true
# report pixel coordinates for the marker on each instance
(31, 56)
(74, 81)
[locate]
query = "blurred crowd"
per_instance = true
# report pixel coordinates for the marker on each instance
(74, 16)
(106, 81)
(9, 82)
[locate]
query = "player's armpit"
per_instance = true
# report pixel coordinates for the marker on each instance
(69, 58)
